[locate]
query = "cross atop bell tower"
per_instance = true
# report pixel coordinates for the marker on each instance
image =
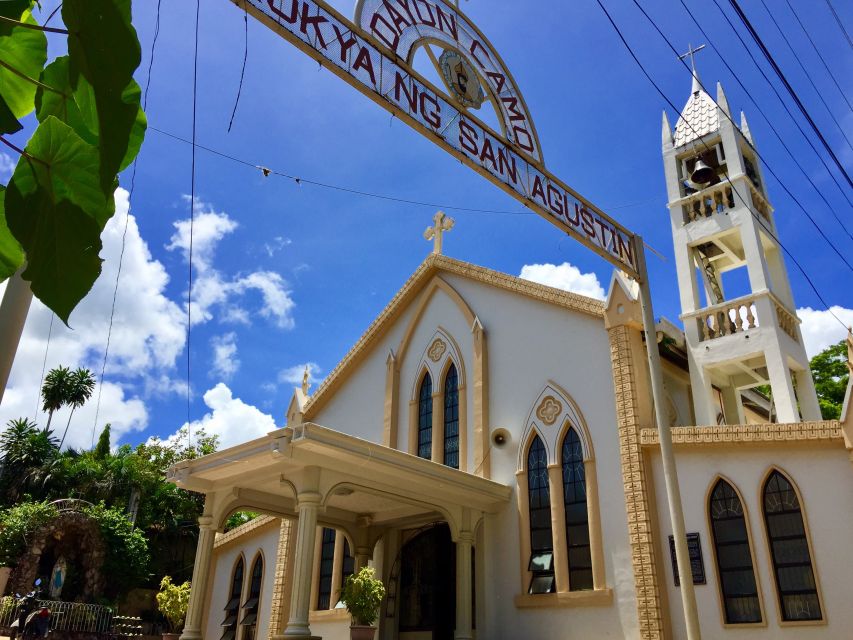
(739, 316)
(691, 52)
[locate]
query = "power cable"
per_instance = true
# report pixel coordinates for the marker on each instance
(769, 168)
(789, 88)
(819, 54)
(245, 58)
(806, 72)
(840, 24)
(764, 115)
(705, 144)
(124, 232)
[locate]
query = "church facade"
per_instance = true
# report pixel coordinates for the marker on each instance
(489, 447)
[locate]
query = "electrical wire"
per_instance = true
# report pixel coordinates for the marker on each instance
(819, 54)
(769, 168)
(840, 24)
(769, 57)
(734, 191)
(769, 122)
(192, 223)
(124, 233)
(245, 58)
(806, 73)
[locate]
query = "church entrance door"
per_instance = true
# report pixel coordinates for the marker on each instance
(428, 586)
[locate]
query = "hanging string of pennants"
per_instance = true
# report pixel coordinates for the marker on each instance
(375, 58)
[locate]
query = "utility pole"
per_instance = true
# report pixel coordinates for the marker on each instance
(13, 315)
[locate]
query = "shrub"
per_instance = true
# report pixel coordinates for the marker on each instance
(362, 594)
(17, 524)
(172, 601)
(126, 562)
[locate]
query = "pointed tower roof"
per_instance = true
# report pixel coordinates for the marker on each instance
(699, 116)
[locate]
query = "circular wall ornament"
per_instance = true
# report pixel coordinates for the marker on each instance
(548, 410)
(459, 76)
(436, 350)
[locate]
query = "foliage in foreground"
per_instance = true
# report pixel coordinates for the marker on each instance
(17, 526)
(172, 601)
(362, 594)
(830, 373)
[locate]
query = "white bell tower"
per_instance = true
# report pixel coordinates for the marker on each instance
(738, 312)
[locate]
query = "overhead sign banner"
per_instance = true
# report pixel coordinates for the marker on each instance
(375, 58)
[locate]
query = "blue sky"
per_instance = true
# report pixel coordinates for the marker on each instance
(291, 274)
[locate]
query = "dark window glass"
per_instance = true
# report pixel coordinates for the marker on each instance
(451, 418)
(348, 565)
(539, 504)
(327, 561)
(250, 607)
(734, 560)
(229, 624)
(425, 418)
(789, 549)
(577, 516)
(428, 584)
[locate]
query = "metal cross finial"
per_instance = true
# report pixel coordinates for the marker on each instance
(441, 224)
(692, 52)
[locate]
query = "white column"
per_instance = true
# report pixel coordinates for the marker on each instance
(703, 397)
(464, 581)
(806, 394)
(558, 528)
(781, 385)
(201, 575)
(300, 598)
(13, 315)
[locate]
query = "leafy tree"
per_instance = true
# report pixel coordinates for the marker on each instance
(90, 127)
(830, 373)
(102, 449)
(81, 384)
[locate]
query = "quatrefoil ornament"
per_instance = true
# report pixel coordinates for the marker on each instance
(548, 410)
(437, 350)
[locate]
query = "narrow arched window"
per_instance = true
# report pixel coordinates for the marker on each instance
(789, 548)
(327, 561)
(541, 563)
(577, 516)
(348, 565)
(249, 621)
(425, 418)
(232, 607)
(735, 571)
(451, 418)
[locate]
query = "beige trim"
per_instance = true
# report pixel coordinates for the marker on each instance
(247, 588)
(635, 479)
(415, 412)
(480, 391)
(755, 567)
(596, 543)
(392, 402)
(558, 528)
(315, 568)
(329, 615)
(337, 568)
(223, 539)
(413, 426)
(804, 516)
(727, 435)
(523, 525)
(437, 451)
(600, 598)
(435, 264)
(280, 603)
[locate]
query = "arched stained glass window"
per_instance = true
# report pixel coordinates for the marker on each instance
(577, 518)
(232, 607)
(425, 418)
(451, 418)
(348, 565)
(541, 563)
(327, 561)
(736, 574)
(249, 622)
(789, 548)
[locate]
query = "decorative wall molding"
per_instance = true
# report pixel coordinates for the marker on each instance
(437, 349)
(827, 431)
(548, 410)
(243, 529)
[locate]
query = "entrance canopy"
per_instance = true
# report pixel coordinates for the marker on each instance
(360, 484)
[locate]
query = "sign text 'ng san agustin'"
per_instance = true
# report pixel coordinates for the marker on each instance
(374, 57)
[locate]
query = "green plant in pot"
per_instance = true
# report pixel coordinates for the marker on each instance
(362, 594)
(172, 601)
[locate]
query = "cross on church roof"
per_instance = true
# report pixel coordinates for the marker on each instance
(692, 52)
(441, 224)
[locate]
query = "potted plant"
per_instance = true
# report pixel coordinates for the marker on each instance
(362, 594)
(172, 601)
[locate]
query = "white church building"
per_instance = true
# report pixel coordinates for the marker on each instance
(489, 447)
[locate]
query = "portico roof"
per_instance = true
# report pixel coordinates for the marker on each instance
(358, 480)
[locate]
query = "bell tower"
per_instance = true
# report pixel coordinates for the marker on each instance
(739, 316)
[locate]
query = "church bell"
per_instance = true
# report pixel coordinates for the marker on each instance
(702, 173)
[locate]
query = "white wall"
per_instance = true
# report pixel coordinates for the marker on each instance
(823, 476)
(264, 539)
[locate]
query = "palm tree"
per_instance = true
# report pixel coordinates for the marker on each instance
(81, 385)
(25, 451)
(54, 391)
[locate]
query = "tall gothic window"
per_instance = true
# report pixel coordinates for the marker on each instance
(425, 418)
(249, 621)
(232, 607)
(577, 518)
(734, 560)
(327, 561)
(451, 418)
(789, 548)
(348, 565)
(541, 563)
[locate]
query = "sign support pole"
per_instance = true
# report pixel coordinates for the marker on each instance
(670, 473)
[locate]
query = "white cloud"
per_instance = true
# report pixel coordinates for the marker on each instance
(293, 375)
(276, 244)
(225, 360)
(564, 276)
(820, 329)
(213, 291)
(7, 166)
(148, 335)
(231, 419)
